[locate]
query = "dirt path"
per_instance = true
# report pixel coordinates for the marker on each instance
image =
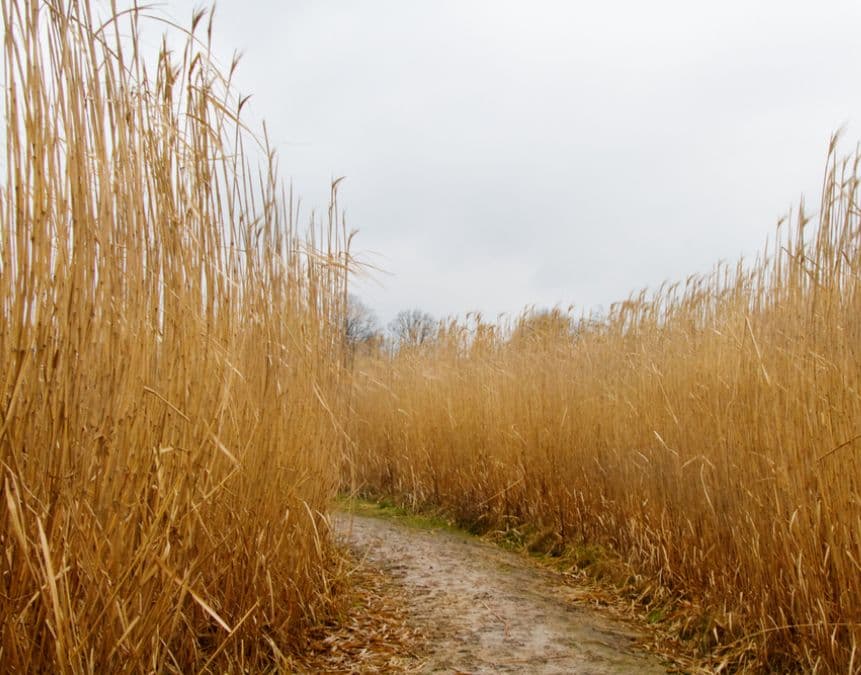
(486, 610)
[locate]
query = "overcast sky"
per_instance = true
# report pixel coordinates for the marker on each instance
(501, 153)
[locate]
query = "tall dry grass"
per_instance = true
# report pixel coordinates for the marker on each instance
(170, 362)
(709, 433)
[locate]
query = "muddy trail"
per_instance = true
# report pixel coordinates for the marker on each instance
(487, 610)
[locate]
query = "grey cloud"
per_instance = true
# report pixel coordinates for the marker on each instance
(500, 153)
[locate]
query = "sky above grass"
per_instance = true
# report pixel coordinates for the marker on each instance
(501, 154)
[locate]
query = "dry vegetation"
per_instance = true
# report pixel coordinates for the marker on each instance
(172, 396)
(170, 363)
(709, 433)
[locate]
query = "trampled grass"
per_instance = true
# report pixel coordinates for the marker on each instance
(171, 360)
(708, 433)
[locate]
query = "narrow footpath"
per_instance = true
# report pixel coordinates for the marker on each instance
(487, 610)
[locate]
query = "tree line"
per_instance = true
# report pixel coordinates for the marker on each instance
(415, 327)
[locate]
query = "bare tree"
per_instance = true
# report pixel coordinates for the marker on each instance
(361, 324)
(413, 327)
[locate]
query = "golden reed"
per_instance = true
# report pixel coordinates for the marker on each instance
(710, 433)
(170, 362)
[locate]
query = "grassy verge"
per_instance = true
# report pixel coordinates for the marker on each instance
(389, 509)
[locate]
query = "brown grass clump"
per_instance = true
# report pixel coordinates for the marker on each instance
(708, 433)
(170, 353)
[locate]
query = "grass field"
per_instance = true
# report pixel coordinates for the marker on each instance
(171, 356)
(707, 432)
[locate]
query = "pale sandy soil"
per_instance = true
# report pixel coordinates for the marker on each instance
(487, 610)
